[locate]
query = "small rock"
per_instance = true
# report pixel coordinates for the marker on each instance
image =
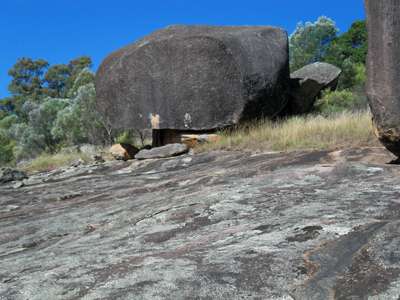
(18, 184)
(90, 228)
(98, 159)
(8, 175)
(78, 163)
(31, 244)
(69, 196)
(163, 152)
(9, 208)
(123, 151)
(308, 233)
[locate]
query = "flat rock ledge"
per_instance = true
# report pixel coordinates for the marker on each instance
(169, 150)
(219, 225)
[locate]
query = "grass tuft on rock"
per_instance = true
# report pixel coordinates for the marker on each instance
(346, 129)
(48, 162)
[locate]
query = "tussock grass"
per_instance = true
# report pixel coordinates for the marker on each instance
(48, 162)
(347, 129)
(314, 132)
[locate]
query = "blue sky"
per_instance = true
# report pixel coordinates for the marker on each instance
(60, 30)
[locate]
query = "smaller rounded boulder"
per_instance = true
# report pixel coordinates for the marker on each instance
(123, 151)
(308, 82)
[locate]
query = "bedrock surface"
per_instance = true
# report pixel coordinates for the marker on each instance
(220, 225)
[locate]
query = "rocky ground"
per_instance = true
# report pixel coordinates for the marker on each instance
(220, 225)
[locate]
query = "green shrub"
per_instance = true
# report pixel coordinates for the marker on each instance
(8, 121)
(6, 149)
(353, 75)
(339, 101)
(79, 122)
(125, 137)
(360, 74)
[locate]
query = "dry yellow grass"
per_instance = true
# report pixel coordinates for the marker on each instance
(48, 162)
(348, 129)
(297, 133)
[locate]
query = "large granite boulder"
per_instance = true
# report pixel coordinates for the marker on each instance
(308, 82)
(383, 88)
(195, 77)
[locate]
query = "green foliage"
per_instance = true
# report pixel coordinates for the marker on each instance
(3, 114)
(78, 64)
(35, 136)
(79, 122)
(339, 101)
(360, 74)
(58, 79)
(7, 144)
(34, 80)
(28, 142)
(42, 119)
(6, 149)
(125, 137)
(84, 77)
(352, 75)
(67, 126)
(350, 45)
(5, 107)
(310, 42)
(349, 52)
(28, 78)
(54, 107)
(7, 121)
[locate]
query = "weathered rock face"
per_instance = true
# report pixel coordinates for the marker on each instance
(220, 225)
(195, 77)
(384, 70)
(308, 82)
